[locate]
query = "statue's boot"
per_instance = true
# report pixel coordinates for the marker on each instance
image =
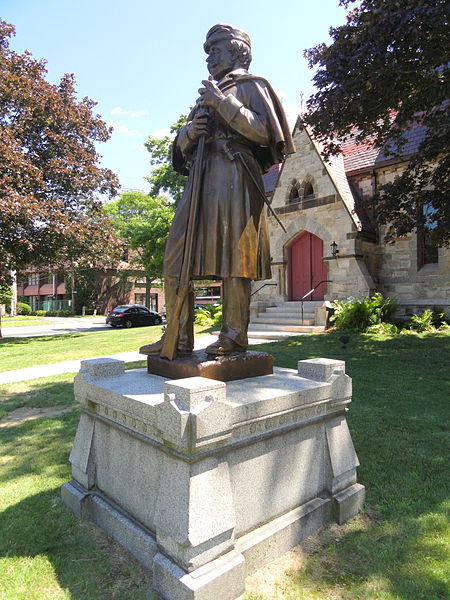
(156, 347)
(186, 320)
(224, 346)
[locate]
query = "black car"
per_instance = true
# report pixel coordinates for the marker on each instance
(133, 315)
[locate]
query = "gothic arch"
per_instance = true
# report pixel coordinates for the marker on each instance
(301, 223)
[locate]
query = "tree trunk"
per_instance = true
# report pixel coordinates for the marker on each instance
(13, 310)
(72, 286)
(148, 287)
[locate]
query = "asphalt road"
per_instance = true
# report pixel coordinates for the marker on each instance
(57, 325)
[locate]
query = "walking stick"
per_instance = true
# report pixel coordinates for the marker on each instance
(170, 343)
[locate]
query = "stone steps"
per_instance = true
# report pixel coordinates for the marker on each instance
(292, 328)
(287, 317)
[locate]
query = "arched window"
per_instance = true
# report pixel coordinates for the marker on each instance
(294, 194)
(308, 191)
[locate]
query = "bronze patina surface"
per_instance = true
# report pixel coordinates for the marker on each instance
(235, 132)
(240, 365)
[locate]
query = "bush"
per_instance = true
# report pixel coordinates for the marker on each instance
(58, 313)
(40, 313)
(23, 308)
(384, 329)
(203, 317)
(218, 316)
(423, 322)
(360, 314)
(439, 318)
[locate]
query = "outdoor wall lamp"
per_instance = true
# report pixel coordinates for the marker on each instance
(334, 249)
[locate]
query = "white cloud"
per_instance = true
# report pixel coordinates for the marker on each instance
(160, 133)
(134, 114)
(118, 128)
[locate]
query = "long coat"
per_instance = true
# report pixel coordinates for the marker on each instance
(231, 232)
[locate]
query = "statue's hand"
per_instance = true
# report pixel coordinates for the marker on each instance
(210, 95)
(198, 126)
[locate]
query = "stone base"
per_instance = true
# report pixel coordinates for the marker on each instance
(205, 482)
(239, 365)
(224, 577)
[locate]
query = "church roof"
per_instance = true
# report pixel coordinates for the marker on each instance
(357, 157)
(361, 156)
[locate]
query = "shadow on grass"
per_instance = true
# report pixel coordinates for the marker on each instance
(43, 544)
(14, 341)
(399, 424)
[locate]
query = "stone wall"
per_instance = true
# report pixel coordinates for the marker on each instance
(365, 263)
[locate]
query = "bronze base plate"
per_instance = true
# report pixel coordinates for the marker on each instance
(238, 365)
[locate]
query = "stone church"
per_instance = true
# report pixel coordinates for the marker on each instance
(332, 248)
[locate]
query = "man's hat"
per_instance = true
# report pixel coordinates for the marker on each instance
(222, 31)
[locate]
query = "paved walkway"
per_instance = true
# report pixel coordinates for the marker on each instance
(73, 366)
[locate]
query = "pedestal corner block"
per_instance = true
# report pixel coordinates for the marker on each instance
(320, 369)
(99, 368)
(348, 503)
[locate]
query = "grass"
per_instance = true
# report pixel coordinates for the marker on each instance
(396, 550)
(19, 353)
(21, 323)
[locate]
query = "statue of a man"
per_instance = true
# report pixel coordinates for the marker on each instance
(245, 132)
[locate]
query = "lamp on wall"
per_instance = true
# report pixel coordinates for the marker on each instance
(334, 249)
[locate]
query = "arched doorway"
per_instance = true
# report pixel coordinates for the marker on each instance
(306, 267)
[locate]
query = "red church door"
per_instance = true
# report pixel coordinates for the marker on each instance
(306, 267)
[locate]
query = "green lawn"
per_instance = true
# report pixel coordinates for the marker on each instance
(17, 322)
(18, 353)
(396, 550)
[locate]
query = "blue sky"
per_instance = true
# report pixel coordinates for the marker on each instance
(142, 61)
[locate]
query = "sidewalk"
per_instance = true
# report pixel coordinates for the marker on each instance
(73, 366)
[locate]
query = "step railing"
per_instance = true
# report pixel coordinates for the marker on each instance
(313, 290)
(260, 288)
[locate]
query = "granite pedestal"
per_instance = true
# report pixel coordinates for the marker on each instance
(204, 481)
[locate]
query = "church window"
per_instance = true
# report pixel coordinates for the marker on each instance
(427, 250)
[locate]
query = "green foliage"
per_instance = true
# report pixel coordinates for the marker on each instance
(23, 308)
(209, 315)
(6, 291)
(358, 314)
(218, 316)
(387, 70)
(58, 313)
(383, 329)
(40, 313)
(49, 173)
(203, 318)
(423, 322)
(144, 222)
(440, 318)
(163, 178)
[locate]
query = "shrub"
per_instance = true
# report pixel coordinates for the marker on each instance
(360, 314)
(423, 322)
(203, 317)
(218, 316)
(23, 308)
(439, 318)
(384, 329)
(40, 313)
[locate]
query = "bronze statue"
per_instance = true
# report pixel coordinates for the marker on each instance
(236, 131)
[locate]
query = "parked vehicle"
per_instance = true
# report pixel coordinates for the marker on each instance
(133, 315)
(196, 307)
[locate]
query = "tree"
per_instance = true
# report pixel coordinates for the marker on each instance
(143, 222)
(49, 177)
(387, 71)
(163, 178)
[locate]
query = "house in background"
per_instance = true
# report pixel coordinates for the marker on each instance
(333, 248)
(49, 290)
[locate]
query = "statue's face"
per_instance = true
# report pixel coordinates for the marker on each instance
(220, 60)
